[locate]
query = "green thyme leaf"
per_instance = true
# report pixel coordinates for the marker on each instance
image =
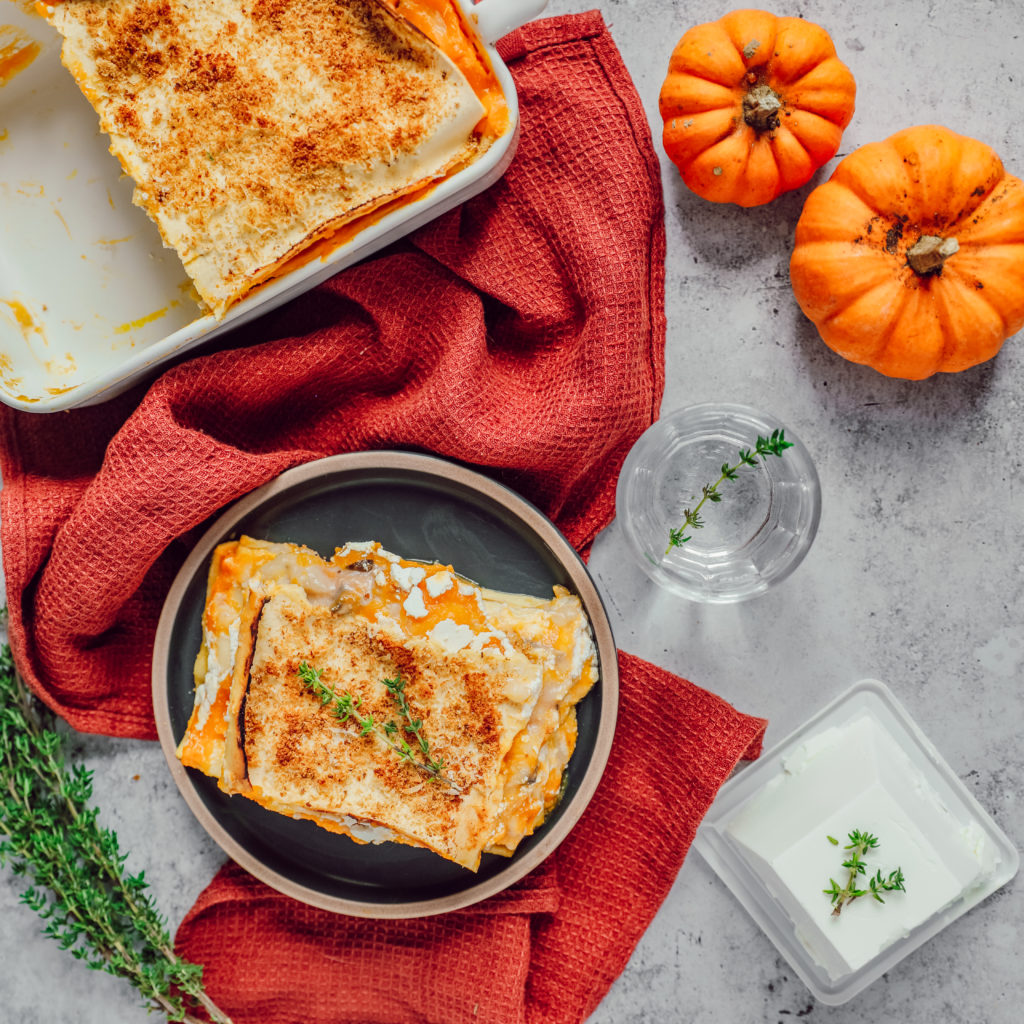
(860, 844)
(345, 706)
(776, 444)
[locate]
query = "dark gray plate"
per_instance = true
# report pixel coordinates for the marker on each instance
(423, 508)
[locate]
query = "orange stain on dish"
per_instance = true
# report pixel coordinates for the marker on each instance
(17, 51)
(24, 320)
(11, 384)
(134, 325)
(60, 217)
(61, 366)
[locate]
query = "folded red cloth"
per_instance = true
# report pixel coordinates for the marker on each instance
(522, 333)
(546, 950)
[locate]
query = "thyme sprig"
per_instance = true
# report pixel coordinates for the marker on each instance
(344, 707)
(776, 444)
(75, 868)
(860, 844)
(413, 726)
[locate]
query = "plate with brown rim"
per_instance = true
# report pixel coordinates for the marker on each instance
(424, 508)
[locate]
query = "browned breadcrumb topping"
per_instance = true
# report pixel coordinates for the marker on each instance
(244, 120)
(304, 755)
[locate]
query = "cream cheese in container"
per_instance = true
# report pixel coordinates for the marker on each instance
(861, 763)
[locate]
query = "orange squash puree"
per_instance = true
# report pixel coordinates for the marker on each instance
(198, 749)
(223, 602)
(441, 22)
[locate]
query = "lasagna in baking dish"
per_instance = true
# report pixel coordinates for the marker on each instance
(255, 128)
(386, 699)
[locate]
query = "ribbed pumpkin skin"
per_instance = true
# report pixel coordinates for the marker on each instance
(720, 155)
(850, 270)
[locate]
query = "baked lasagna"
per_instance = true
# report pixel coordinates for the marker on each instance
(386, 699)
(255, 128)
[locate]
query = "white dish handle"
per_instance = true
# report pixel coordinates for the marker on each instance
(496, 18)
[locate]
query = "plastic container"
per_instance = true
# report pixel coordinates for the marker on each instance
(916, 774)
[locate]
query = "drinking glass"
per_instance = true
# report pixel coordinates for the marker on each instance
(754, 537)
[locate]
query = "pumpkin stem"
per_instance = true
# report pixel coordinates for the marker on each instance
(761, 107)
(929, 253)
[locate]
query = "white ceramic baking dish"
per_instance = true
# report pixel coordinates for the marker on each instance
(90, 300)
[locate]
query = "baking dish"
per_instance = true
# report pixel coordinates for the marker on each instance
(90, 300)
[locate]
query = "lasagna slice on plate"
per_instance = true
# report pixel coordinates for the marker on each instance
(387, 699)
(254, 128)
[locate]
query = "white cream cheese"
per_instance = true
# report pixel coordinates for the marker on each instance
(439, 583)
(414, 604)
(451, 636)
(362, 546)
(582, 649)
(367, 832)
(407, 576)
(220, 659)
(855, 776)
(482, 642)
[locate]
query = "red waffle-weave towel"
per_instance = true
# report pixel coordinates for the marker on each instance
(522, 333)
(546, 951)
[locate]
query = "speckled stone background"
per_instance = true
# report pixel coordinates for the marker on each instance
(916, 576)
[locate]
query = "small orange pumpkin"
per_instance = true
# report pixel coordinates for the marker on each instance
(911, 257)
(753, 105)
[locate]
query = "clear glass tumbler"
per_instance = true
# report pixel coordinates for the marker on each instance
(755, 536)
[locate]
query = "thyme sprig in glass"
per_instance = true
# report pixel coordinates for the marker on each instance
(344, 707)
(776, 444)
(51, 836)
(860, 844)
